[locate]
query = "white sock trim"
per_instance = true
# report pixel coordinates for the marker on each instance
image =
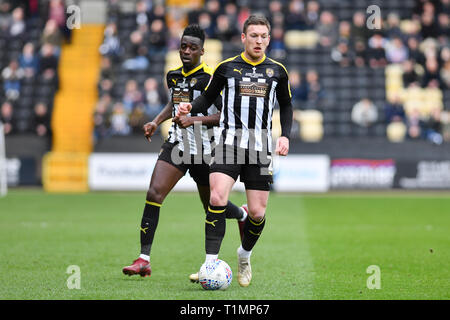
(210, 257)
(145, 257)
(243, 253)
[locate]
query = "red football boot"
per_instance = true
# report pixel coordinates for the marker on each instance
(140, 266)
(242, 223)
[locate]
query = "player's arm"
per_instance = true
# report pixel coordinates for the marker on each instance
(209, 121)
(283, 92)
(208, 97)
(150, 127)
(186, 121)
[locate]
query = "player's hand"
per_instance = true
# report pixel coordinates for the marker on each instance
(149, 129)
(184, 108)
(282, 147)
(183, 121)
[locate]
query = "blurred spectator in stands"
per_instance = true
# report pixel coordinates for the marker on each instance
(141, 13)
(224, 31)
(5, 17)
(298, 89)
(51, 34)
(205, 22)
(154, 98)
(443, 28)
(444, 7)
(232, 12)
(111, 42)
(113, 10)
(11, 76)
(396, 51)
(418, 8)
(433, 127)
(136, 53)
(41, 120)
(17, 24)
(327, 29)
(139, 62)
(102, 117)
(158, 11)
(342, 55)
(29, 61)
(132, 96)
(410, 75)
(244, 13)
(105, 86)
(414, 52)
(414, 124)
(364, 113)
(314, 89)
(7, 118)
(157, 39)
(119, 120)
(137, 119)
(48, 66)
(345, 31)
(312, 14)
(376, 52)
(106, 71)
(445, 74)
(393, 110)
(360, 50)
(275, 8)
(214, 9)
(359, 28)
(392, 26)
(429, 28)
(431, 77)
(277, 47)
(295, 16)
(57, 13)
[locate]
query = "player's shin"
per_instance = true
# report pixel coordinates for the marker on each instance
(252, 232)
(149, 223)
(214, 229)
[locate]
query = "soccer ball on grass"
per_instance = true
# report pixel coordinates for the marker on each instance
(215, 275)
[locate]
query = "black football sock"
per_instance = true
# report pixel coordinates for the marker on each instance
(252, 232)
(214, 228)
(149, 223)
(233, 211)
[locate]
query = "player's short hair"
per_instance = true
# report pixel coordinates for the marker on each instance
(256, 19)
(194, 30)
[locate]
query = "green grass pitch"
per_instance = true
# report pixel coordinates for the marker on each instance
(313, 247)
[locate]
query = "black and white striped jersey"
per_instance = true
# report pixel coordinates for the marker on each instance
(249, 90)
(185, 87)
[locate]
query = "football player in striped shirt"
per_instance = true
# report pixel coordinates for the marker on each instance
(249, 83)
(185, 83)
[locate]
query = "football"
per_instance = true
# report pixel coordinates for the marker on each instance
(215, 275)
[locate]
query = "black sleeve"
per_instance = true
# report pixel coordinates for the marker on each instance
(212, 92)
(284, 100)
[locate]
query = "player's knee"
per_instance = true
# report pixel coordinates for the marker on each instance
(217, 199)
(257, 212)
(154, 195)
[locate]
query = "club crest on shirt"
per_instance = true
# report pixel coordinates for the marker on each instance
(269, 72)
(254, 74)
(193, 82)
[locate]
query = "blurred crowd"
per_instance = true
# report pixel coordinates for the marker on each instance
(31, 35)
